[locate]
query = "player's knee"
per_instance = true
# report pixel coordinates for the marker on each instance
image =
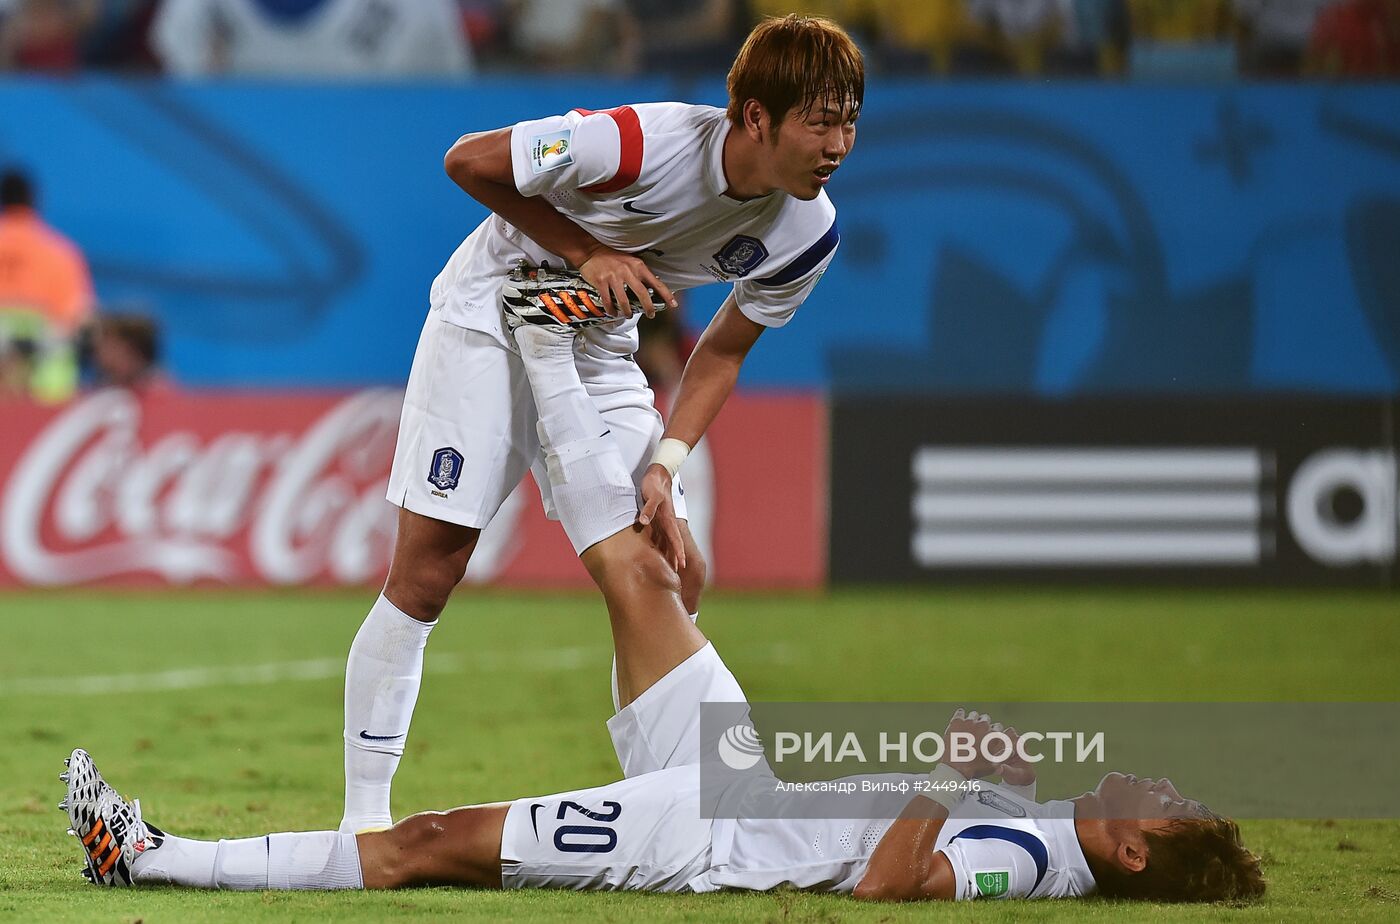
(693, 579)
(651, 571)
(424, 850)
(422, 586)
(404, 852)
(628, 564)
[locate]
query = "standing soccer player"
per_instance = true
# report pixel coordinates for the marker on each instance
(660, 196)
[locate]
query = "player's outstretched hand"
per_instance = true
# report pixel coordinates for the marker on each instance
(659, 513)
(614, 274)
(1017, 771)
(978, 725)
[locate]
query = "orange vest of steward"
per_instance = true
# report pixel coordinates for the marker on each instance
(41, 271)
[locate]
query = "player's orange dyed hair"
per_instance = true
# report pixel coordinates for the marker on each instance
(796, 60)
(1194, 860)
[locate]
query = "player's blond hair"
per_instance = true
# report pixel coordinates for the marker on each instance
(796, 60)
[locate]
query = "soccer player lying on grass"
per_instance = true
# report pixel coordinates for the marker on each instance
(1129, 837)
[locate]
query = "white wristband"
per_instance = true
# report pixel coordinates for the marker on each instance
(947, 787)
(670, 454)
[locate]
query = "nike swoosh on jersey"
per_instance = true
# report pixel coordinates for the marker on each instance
(534, 822)
(631, 207)
(364, 733)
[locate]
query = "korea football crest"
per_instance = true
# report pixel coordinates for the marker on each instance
(741, 255)
(446, 470)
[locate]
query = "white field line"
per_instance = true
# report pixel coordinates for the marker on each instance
(191, 678)
(538, 661)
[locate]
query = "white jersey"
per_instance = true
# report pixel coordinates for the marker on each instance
(649, 832)
(649, 180)
(1004, 846)
(1000, 845)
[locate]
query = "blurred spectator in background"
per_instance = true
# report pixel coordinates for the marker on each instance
(312, 38)
(1182, 39)
(125, 351)
(117, 38)
(482, 24)
(944, 33)
(1023, 29)
(45, 294)
(1273, 35)
(689, 36)
(1093, 38)
(1357, 38)
(573, 35)
(45, 35)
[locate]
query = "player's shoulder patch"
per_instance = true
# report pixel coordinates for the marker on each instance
(741, 255)
(992, 883)
(551, 150)
(995, 800)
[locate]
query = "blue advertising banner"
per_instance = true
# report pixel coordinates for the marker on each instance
(1026, 239)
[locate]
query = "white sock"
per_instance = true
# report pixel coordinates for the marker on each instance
(299, 861)
(592, 487)
(593, 490)
(567, 413)
(382, 677)
(178, 861)
(617, 700)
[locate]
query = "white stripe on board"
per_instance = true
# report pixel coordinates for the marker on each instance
(1021, 464)
(933, 548)
(933, 507)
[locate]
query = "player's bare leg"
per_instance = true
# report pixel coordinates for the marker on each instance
(652, 633)
(692, 578)
(461, 848)
(385, 667)
(430, 557)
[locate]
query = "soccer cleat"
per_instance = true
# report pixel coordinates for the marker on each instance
(110, 830)
(535, 295)
(559, 299)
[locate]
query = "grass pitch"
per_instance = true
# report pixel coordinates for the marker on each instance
(222, 711)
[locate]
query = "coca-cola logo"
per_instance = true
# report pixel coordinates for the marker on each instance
(94, 496)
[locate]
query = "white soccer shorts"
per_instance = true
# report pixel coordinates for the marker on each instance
(644, 832)
(467, 432)
(661, 728)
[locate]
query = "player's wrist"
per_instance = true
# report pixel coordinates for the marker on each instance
(947, 786)
(589, 251)
(671, 454)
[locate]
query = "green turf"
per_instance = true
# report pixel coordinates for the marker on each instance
(497, 719)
